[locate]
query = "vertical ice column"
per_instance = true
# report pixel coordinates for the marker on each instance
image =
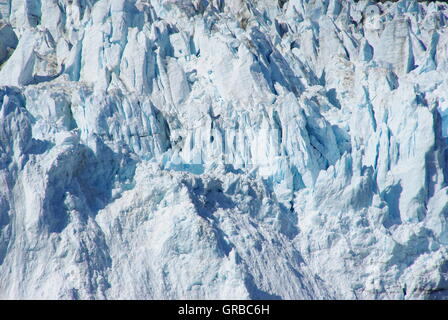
(5, 7)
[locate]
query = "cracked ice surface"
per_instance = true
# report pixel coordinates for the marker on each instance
(223, 149)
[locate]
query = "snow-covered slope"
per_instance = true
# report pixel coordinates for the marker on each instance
(223, 149)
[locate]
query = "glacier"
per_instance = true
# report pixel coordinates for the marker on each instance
(223, 149)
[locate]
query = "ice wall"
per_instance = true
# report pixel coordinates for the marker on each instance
(223, 149)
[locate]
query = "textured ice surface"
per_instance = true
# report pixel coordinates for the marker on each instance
(223, 149)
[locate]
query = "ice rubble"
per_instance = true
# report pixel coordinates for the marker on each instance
(223, 149)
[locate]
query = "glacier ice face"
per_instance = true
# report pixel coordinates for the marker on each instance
(223, 149)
